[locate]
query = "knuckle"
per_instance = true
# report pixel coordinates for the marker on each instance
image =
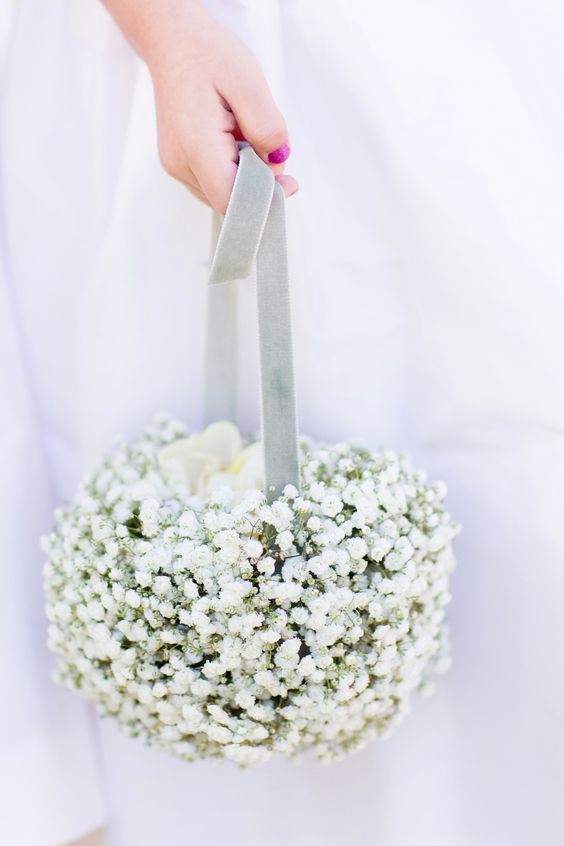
(171, 160)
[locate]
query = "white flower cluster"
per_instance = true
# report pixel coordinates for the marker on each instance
(239, 629)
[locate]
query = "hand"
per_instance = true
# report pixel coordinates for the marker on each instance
(209, 93)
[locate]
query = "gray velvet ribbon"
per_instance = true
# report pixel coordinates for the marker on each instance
(254, 234)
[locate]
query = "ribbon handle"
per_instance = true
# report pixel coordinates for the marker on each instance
(254, 233)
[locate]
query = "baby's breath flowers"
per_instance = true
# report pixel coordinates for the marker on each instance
(211, 623)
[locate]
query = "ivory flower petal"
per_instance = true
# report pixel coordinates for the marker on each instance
(214, 458)
(221, 439)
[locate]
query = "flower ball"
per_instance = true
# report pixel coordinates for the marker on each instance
(212, 623)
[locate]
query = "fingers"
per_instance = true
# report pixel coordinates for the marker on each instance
(205, 158)
(196, 192)
(288, 183)
(214, 163)
(258, 118)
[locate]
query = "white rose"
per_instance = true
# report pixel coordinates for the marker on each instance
(213, 459)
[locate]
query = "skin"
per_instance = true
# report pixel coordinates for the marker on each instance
(209, 92)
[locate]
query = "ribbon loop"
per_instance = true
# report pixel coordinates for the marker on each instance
(253, 231)
(245, 218)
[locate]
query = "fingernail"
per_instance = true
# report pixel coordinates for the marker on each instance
(280, 155)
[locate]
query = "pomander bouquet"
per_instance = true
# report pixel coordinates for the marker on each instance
(231, 600)
(212, 623)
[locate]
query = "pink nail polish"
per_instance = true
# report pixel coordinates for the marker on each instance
(280, 155)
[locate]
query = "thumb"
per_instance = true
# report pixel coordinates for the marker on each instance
(258, 117)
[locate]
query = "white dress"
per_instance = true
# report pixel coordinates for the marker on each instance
(428, 293)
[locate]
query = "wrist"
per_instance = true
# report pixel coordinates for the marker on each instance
(151, 26)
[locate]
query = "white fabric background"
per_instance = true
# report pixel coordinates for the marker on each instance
(428, 288)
